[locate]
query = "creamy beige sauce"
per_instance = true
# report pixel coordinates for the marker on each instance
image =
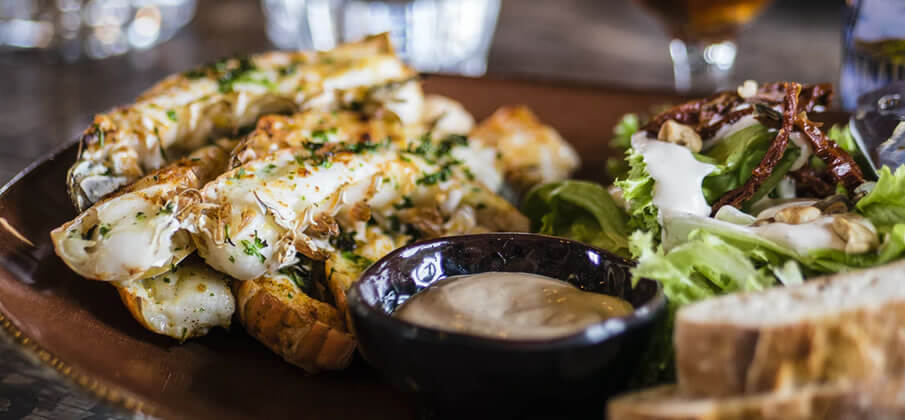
(518, 306)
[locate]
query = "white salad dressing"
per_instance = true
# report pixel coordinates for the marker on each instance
(802, 238)
(677, 176)
(806, 151)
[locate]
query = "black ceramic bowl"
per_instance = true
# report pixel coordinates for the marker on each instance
(450, 368)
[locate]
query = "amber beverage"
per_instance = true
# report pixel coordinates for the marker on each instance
(705, 20)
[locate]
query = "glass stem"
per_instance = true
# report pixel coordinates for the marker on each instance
(702, 67)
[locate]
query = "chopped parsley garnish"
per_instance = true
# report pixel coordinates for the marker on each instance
(405, 204)
(254, 248)
(345, 241)
(226, 233)
(104, 230)
(449, 142)
(167, 209)
(440, 176)
(140, 216)
(100, 135)
(356, 259)
(232, 259)
(323, 135)
(172, 115)
(166, 280)
(239, 174)
(300, 276)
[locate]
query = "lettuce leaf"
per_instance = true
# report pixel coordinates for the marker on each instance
(629, 124)
(885, 204)
(737, 155)
(578, 210)
(702, 267)
(638, 191)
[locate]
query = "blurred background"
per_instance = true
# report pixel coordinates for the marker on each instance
(62, 61)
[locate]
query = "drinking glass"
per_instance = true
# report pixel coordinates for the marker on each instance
(873, 41)
(447, 36)
(92, 28)
(703, 34)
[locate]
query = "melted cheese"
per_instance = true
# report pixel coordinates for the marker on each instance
(677, 176)
(183, 303)
(123, 238)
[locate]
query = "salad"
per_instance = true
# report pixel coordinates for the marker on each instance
(739, 191)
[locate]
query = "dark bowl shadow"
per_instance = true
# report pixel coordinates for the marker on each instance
(458, 370)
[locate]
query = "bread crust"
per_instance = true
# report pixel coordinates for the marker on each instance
(718, 359)
(304, 331)
(842, 400)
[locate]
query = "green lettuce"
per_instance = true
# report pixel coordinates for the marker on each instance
(638, 191)
(704, 266)
(885, 204)
(578, 210)
(628, 125)
(737, 155)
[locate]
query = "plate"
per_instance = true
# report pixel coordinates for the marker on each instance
(81, 329)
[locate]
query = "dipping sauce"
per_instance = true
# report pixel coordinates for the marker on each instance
(519, 306)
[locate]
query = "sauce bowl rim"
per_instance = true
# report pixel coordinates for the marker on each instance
(591, 334)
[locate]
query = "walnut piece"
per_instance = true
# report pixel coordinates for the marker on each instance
(747, 89)
(796, 215)
(858, 235)
(680, 134)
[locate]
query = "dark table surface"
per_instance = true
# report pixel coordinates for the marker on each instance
(45, 103)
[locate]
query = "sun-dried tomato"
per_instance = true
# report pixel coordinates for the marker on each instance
(775, 151)
(809, 183)
(708, 115)
(840, 165)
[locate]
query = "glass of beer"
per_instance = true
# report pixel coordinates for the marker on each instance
(873, 41)
(703, 37)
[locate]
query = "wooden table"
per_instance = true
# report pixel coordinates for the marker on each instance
(45, 103)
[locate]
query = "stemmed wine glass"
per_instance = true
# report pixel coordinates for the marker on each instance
(703, 34)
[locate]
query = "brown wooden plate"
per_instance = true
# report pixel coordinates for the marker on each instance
(81, 329)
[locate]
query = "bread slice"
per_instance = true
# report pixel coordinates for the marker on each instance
(846, 326)
(834, 401)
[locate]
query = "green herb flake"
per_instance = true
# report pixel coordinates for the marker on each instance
(166, 280)
(253, 248)
(360, 261)
(104, 230)
(232, 259)
(101, 135)
(345, 241)
(226, 234)
(167, 209)
(300, 275)
(440, 176)
(171, 114)
(405, 204)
